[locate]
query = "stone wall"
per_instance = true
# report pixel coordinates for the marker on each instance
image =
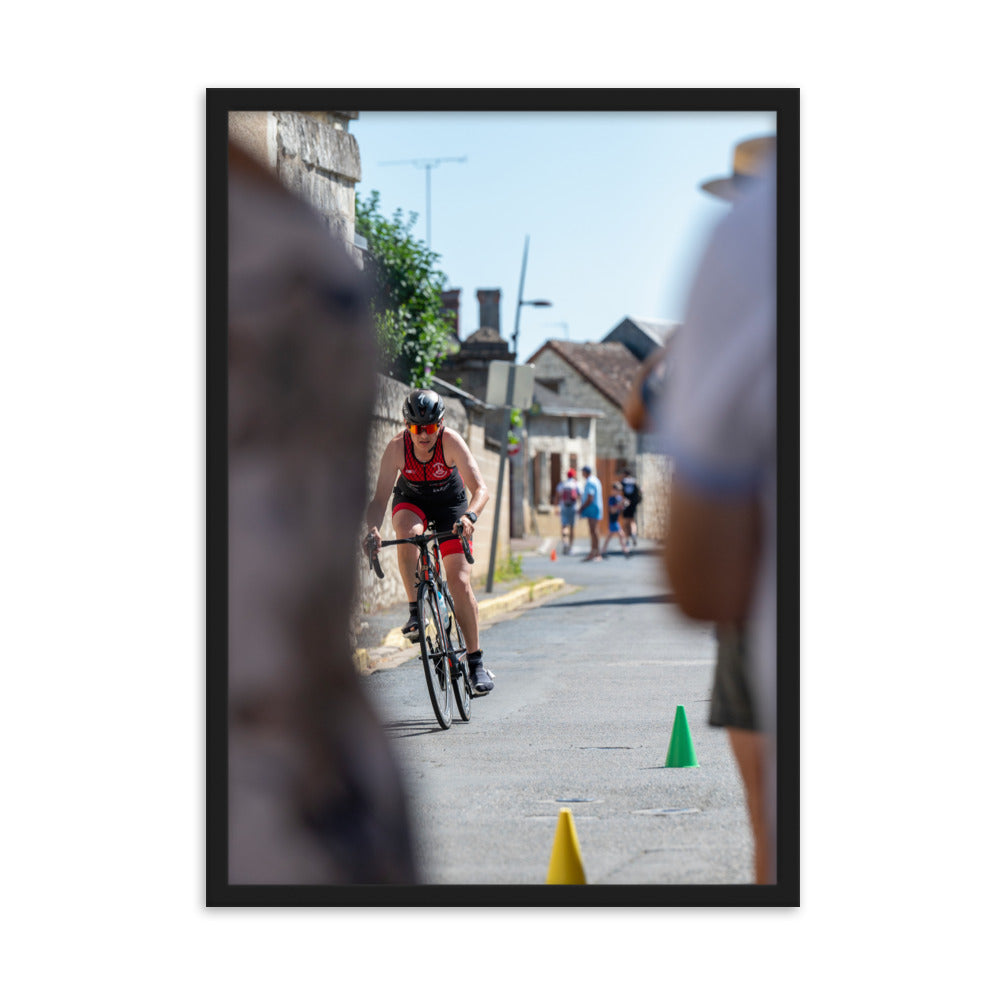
(652, 471)
(388, 421)
(312, 154)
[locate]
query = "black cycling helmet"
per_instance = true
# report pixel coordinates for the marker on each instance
(423, 406)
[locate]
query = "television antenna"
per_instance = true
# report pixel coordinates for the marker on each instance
(428, 165)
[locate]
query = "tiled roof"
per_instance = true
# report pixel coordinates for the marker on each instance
(658, 330)
(610, 367)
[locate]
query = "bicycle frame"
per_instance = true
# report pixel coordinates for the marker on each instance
(444, 660)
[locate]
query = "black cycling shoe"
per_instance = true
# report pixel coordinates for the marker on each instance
(480, 679)
(411, 630)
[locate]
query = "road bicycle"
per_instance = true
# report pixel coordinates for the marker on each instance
(442, 645)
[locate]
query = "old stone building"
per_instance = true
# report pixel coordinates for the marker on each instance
(597, 378)
(558, 436)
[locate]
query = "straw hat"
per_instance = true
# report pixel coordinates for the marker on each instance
(749, 159)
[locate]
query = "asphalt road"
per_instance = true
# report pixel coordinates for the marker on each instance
(587, 687)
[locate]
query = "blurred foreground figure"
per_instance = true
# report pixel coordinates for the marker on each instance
(315, 796)
(718, 422)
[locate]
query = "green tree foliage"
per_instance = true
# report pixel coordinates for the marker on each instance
(413, 331)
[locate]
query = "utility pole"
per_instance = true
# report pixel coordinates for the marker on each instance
(428, 166)
(508, 404)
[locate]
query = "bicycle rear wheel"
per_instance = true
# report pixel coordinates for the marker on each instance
(434, 652)
(458, 655)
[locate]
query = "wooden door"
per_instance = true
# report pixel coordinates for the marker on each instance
(607, 473)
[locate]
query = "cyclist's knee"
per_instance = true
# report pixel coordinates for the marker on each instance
(459, 578)
(406, 524)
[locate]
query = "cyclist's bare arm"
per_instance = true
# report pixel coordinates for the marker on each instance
(392, 462)
(456, 452)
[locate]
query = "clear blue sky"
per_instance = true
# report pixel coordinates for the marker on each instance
(609, 200)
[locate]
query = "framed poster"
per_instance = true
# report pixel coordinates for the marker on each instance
(367, 247)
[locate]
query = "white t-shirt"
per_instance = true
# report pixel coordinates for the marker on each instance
(718, 421)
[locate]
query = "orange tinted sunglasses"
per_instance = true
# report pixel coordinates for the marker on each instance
(423, 428)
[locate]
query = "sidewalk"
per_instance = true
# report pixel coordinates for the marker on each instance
(380, 638)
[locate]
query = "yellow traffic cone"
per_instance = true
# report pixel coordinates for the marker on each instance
(565, 865)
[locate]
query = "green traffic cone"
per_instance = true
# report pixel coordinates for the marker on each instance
(681, 750)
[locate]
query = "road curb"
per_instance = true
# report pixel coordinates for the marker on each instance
(489, 608)
(521, 595)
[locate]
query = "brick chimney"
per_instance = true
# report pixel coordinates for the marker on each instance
(489, 307)
(449, 302)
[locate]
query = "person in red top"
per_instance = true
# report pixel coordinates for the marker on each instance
(427, 468)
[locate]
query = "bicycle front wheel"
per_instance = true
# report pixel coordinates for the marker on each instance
(434, 652)
(460, 682)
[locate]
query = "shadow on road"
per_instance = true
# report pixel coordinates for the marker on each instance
(413, 727)
(618, 554)
(654, 599)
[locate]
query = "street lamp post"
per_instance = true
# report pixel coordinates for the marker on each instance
(521, 302)
(508, 405)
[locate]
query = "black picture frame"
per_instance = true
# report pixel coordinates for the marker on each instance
(784, 102)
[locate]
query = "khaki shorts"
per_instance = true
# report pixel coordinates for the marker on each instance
(732, 703)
